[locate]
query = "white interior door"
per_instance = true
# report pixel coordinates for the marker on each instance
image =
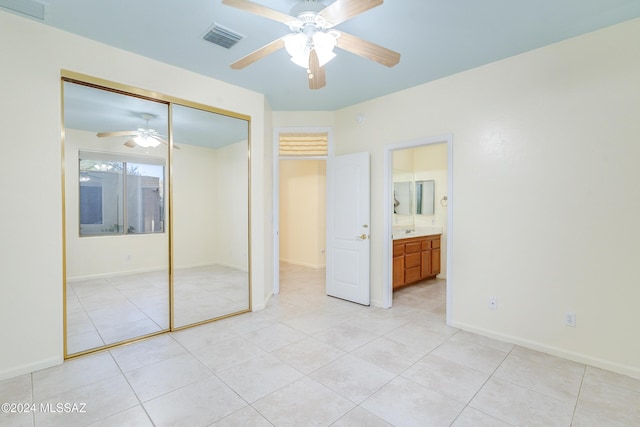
(348, 227)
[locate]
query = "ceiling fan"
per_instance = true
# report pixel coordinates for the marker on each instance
(142, 137)
(312, 39)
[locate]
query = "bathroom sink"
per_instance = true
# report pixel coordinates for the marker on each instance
(406, 232)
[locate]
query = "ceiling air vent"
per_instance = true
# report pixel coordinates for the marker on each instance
(222, 36)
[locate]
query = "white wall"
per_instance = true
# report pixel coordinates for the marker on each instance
(231, 206)
(265, 198)
(195, 200)
(302, 212)
(544, 192)
(31, 216)
(304, 119)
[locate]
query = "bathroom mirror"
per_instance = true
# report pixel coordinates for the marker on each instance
(425, 194)
(116, 240)
(210, 215)
(402, 197)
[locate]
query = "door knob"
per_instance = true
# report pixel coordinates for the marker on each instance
(362, 236)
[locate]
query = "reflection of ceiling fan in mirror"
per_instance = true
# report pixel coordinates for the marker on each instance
(142, 137)
(313, 38)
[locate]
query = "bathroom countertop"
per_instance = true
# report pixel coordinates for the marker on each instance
(401, 232)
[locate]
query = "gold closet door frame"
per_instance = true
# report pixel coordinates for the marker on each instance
(98, 83)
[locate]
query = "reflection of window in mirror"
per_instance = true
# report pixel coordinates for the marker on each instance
(103, 184)
(425, 193)
(402, 198)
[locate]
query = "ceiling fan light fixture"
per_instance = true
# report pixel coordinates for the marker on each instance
(301, 60)
(146, 141)
(324, 56)
(323, 43)
(297, 46)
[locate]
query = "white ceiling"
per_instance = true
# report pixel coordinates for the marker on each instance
(436, 38)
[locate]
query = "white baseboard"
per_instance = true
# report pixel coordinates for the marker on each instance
(116, 274)
(262, 305)
(149, 270)
(30, 367)
(258, 307)
(608, 365)
(302, 264)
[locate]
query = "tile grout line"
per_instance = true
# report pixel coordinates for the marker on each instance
(33, 416)
(132, 390)
(89, 317)
(575, 407)
(468, 404)
(137, 306)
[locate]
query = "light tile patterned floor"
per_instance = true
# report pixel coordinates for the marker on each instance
(312, 360)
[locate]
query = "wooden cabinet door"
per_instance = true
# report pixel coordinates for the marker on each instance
(435, 261)
(426, 264)
(398, 271)
(412, 274)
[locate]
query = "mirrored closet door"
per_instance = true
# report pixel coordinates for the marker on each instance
(146, 253)
(210, 215)
(117, 262)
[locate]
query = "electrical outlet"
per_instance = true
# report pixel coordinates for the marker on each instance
(570, 319)
(493, 303)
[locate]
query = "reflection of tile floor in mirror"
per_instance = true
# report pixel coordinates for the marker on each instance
(309, 359)
(208, 292)
(108, 310)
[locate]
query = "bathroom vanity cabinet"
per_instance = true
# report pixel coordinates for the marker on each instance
(415, 259)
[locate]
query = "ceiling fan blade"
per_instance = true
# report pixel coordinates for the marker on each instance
(317, 78)
(258, 54)
(368, 50)
(341, 10)
(258, 9)
(120, 133)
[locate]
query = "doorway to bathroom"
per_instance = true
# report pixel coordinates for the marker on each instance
(417, 194)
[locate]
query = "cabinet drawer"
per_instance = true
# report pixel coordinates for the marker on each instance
(412, 274)
(398, 250)
(435, 243)
(412, 260)
(411, 248)
(426, 244)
